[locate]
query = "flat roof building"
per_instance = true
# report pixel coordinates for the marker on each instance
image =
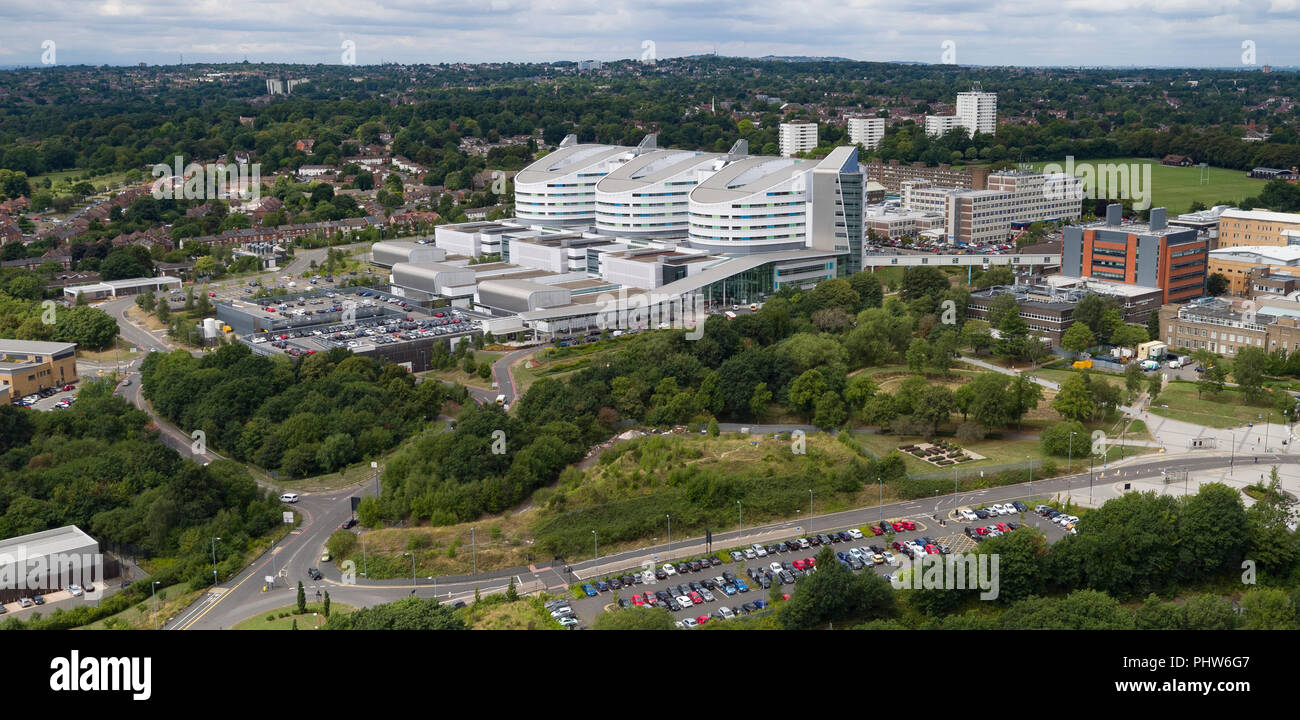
(1152, 255)
(1257, 227)
(29, 366)
(388, 253)
(797, 138)
(119, 288)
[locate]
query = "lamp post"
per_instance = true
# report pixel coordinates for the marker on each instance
(154, 587)
(1030, 462)
(413, 582)
(365, 567)
(880, 506)
(214, 560)
(670, 529)
(375, 466)
(740, 515)
(810, 505)
(1069, 463)
(1091, 458)
(1232, 450)
(595, 543)
(473, 549)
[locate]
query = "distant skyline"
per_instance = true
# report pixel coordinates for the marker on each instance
(1092, 33)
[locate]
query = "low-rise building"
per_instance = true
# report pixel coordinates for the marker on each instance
(118, 288)
(29, 366)
(1240, 262)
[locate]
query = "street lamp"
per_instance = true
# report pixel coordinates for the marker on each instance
(740, 515)
(1069, 464)
(154, 587)
(473, 549)
(670, 528)
(595, 543)
(413, 582)
(880, 506)
(214, 560)
(810, 505)
(1030, 462)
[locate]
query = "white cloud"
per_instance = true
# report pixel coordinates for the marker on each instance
(1121, 32)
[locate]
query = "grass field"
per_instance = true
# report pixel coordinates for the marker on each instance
(522, 614)
(1176, 188)
(1178, 401)
(272, 620)
(458, 375)
(171, 600)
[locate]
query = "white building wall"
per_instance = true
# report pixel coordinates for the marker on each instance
(797, 138)
(866, 131)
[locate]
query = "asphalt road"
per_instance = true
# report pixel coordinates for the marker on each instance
(242, 597)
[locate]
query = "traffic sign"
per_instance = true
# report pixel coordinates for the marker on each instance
(288, 517)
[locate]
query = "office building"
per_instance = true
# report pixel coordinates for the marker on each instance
(797, 138)
(1151, 255)
(1238, 263)
(893, 174)
(1226, 327)
(1257, 227)
(866, 131)
(1047, 304)
(29, 366)
(1012, 200)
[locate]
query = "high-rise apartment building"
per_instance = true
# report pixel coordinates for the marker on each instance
(977, 112)
(797, 138)
(866, 131)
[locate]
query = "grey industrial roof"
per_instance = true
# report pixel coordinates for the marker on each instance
(35, 346)
(47, 542)
(724, 270)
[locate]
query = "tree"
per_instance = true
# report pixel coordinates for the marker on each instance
(868, 288)
(88, 327)
(326, 608)
(759, 400)
(1133, 379)
(1155, 384)
(1212, 380)
(1091, 311)
(918, 354)
(122, 264)
(829, 412)
(1056, 438)
(976, 336)
(1075, 401)
(1155, 614)
(1000, 307)
(635, 618)
(834, 593)
(1129, 336)
(1153, 325)
(1216, 284)
(1208, 612)
(1014, 336)
(713, 427)
(1267, 609)
(998, 275)
(1025, 396)
(1212, 532)
(1078, 338)
(807, 389)
(411, 613)
(302, 599)
(934, 406)
(1248, 370)
(920, 281)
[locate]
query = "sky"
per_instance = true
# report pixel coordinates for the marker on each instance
(1155, 33)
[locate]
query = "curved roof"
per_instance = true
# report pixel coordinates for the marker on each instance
(567, 161)
(746, 177)
(653, 167)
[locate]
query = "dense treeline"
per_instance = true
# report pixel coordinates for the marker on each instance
(23, 319)
(314, 415)
(97, 465)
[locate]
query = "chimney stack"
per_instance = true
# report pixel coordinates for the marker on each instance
(1158, 219)
(1114, 214)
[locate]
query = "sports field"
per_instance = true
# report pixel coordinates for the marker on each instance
(1176, 188)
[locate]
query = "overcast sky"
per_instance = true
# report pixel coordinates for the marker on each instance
(1192, 33)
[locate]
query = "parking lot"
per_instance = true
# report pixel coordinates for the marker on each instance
(735, 583)
(52, 399)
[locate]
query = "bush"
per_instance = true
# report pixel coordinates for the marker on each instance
(1056, 439)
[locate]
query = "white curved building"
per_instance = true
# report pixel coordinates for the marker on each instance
(758, 204)
(560, 188)
(649, 196)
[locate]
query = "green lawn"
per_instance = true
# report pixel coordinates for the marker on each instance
(1176, 188)
(1224, 411)
(305, 621)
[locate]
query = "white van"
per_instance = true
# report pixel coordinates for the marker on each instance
(289, 498)
(1176, 363)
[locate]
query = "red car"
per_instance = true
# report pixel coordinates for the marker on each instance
(696, 598)
(982, 530)
(875, 530)
(651, 599)
(702, 619)
(897, 545)
(899, 527)
(799, 565)
(638, 600)
(931, 550)
(909, 524)
(212, 294)
(810, 562)
(67, 387)
(1004, 528)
